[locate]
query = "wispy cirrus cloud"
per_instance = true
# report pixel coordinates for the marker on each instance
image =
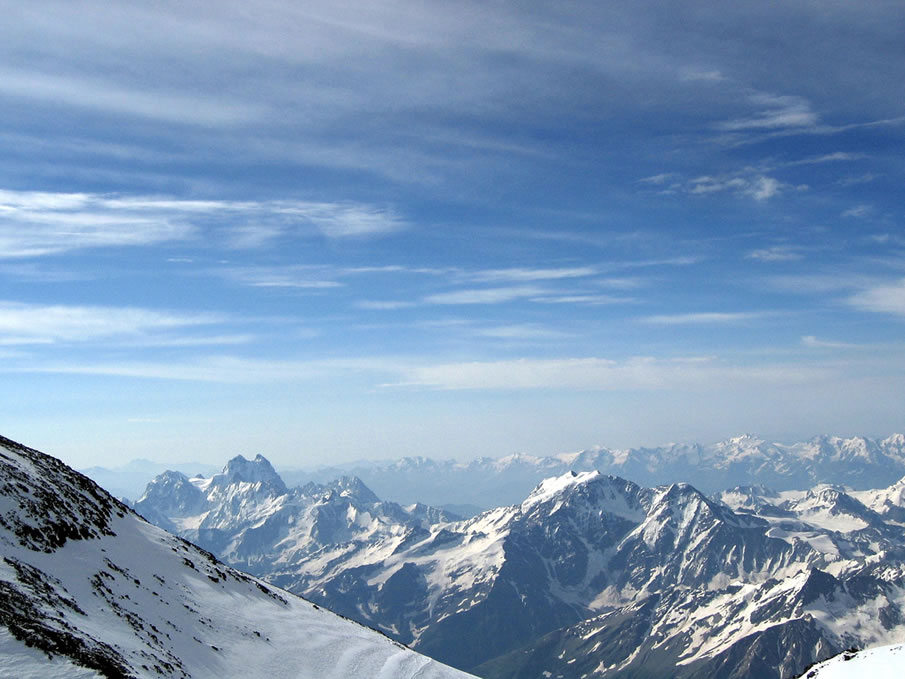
(584, 299)
(858, 211)
(344, 220)
(529, 274)
(776, 112)
(523, 331)
(759, 187)
(384, 305)
(704, 318)
(34, 223)
(812, 342)
(776, 253)
(223, 369)
(299, 277)
(22, 323)
(110, 97)
(595, 373)
(886, 298)
(486, 295)
(835, 157)
(749, 182)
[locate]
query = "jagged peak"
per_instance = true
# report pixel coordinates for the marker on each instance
(747, 439)
(256, 471)
(353, 487)
(165, 483)
(169, 476)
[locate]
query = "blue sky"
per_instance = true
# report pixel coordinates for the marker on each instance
(331, 231)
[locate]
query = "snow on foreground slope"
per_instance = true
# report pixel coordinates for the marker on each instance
(886, 662)
(88, 589)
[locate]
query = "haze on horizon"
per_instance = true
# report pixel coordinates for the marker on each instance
(326, 233)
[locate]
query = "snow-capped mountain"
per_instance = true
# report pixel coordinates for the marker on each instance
(593, 574)
(247, 516)
(89, 589)
(859, 462)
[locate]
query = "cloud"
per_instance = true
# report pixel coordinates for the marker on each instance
(694, 75)
(485, 295)
(763, 188)
(887, 298)
(858, 180)
(858, 212)
(224, 369)
(755, 181)
(776, 253)
(659, 179)
(817, 283)
(97, 94)
(757, 186)
(35, 223)
(777, 112)
(384, 305)
(45, 324)
(812, 342)
(344, 220)
(524, 274)
(593, 300)
(521, 332)
(41, 223)
(703, 318)
(838, 156)
(594, 373)
(302, 278)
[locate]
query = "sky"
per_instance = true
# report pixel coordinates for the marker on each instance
(331, 231)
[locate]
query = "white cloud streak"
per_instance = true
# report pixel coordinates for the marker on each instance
(703, 318)
(777, 253)
(838, 156)
(595, 373)
(485, 295)
(41, 223)
(521, 332)
(812, 342)
(777, 112)
(759, 187)
(110, 97)
(302, 278)
(886, 298)
(858, 212)
(45, 324)
(528, 275)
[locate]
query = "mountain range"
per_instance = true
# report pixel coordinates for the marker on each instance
(589, 574)
(90, 589)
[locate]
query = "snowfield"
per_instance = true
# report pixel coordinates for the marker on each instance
(886, 662)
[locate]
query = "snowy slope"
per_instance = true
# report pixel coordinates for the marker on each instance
(90, 589)
(886, 662)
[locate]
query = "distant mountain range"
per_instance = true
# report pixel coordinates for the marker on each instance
(745, 460)
(89, 589)
(589, 574)
(468, 487)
